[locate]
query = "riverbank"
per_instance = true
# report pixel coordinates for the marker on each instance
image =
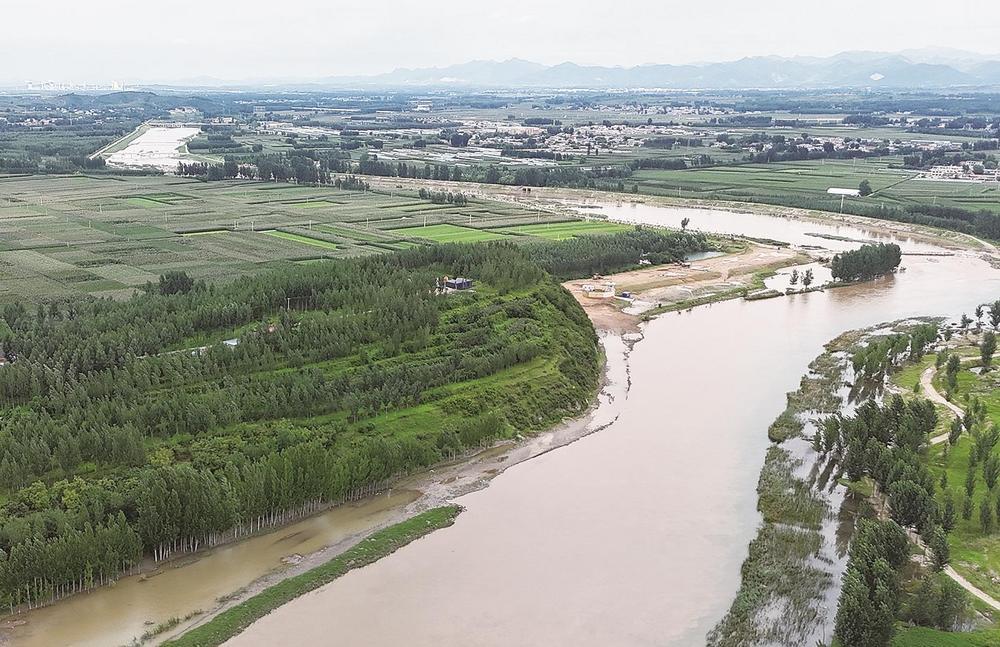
(376, 546)
(657, 289)
(809, 508)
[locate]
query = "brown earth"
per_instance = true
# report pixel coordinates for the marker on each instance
(669, 284)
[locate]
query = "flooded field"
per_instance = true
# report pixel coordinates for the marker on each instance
(159, 147)
(634, 535)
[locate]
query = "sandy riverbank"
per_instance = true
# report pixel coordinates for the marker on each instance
(664, 285)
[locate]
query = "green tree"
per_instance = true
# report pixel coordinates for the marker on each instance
(986, 516)
(986, 349)
(865, 188)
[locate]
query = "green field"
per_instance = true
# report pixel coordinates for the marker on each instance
(447, 233)
(564, 230)
(809, 180)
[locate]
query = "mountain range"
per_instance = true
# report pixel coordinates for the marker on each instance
(927, 68)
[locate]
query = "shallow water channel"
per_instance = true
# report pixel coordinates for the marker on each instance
(630, 536)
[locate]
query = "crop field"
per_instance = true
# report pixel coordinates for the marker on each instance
(811, 179)
(448, 233)
(564, 230)
(106, 236)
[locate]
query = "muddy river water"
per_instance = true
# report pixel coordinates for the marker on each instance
(630, 536)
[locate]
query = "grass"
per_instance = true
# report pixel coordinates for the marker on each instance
(316, 242)
(384, 542)
(448, 233)
(924, 637)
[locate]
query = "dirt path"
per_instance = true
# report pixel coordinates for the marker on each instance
(971, 588)
(932, 394)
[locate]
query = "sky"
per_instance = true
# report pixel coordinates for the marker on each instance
(138, 41)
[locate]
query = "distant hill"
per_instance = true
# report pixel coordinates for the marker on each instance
(915, 69)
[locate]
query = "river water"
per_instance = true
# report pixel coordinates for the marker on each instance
(630, 536)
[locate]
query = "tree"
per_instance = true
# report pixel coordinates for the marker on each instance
(865, 188)
(986, 349)
(938, 543)
(991, 471)
(175, 282)
(967, 508)
(794, 278)
(986, 516)
(685, 221)
(807, 278)
(948, 519)
(951, 372)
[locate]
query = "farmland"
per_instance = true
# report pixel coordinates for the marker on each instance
(105, 236)
(808, 181)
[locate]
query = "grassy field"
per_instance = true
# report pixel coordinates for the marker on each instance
(104, 235)
(448, 233)
(924, 637)
(384, 542)
(564, 230)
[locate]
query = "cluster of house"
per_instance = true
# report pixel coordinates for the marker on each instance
(962, 172)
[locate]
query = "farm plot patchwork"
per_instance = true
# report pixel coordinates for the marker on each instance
(108, 235)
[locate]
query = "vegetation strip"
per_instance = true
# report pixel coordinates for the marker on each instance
(384, 542)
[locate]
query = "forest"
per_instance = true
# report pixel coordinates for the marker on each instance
(129, 429)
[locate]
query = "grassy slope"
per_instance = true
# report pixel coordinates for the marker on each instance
(384, 542)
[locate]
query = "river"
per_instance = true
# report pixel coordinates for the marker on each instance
(630, 536)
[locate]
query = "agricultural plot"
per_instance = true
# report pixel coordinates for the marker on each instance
(305, 240)
(564, 230)
(108, 236)
(447, 233)
(892, 187)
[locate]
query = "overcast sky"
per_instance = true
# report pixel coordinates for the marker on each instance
(141, 41)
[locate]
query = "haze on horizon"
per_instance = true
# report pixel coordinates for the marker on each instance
(97, 42)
